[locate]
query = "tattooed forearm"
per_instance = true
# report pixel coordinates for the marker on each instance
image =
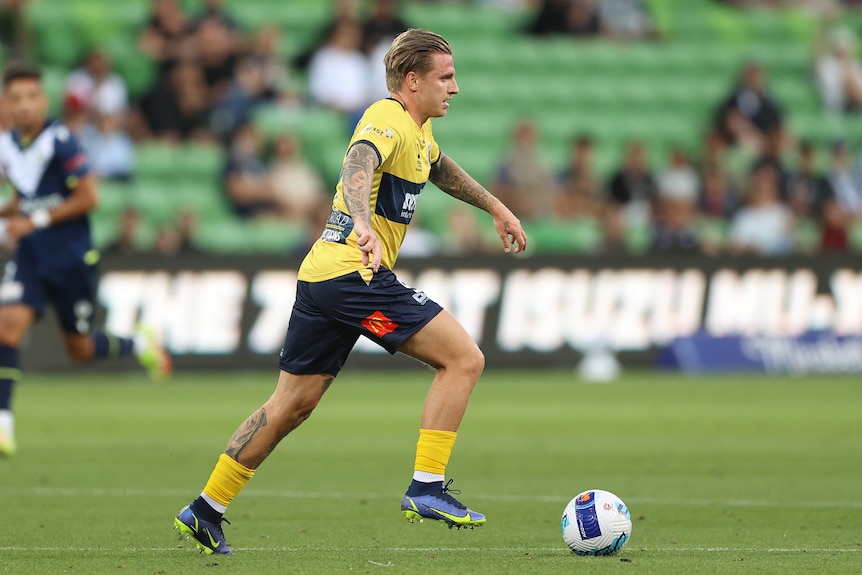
(245, 433)
(452, 179)
(357, 175)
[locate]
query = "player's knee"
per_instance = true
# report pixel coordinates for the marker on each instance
(8, 339)
(471, 362)
(78, 352)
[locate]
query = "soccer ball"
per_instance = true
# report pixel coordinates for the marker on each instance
(596, 522)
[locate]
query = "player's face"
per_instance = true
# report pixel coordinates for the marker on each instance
(437, 87)
(27, 103)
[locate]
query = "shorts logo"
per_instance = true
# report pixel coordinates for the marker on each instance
(378, 324)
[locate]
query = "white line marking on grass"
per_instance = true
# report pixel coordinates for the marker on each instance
(189, 549)
(182, 493)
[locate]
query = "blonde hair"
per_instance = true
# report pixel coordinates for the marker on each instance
(412, 51)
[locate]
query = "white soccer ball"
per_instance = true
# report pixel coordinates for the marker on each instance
(596, 522)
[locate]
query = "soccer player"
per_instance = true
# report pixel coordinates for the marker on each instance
(347, 288)
(54, 260)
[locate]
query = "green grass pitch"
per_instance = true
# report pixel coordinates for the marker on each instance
(722, 475)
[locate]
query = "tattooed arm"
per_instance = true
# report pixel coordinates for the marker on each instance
(452, 179)
(357, 175)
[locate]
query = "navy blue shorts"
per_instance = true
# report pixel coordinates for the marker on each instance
(70, 285)
(329, 316)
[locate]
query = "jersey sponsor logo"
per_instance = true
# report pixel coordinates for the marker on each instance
(397, 198)
(30, 205)
(77, 161)
(338, 227)
(409, 205)
(378, 324)
(371, 128)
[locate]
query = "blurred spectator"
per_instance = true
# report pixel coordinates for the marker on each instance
(215, 10)
(812, 198)
(236, 106)
(377, 89)
(632, 191)
(109, 148)
(580, 190)
(749, 112)
(839, 73)
(419, 242)
(245, 177)
(95, 89)
(168, 35)
(718, 197)
(275, 73)
(675, 208)
(167, 241)
(177, 238)
(572, 17)
(462, 233)
(296, 185)
(845, 186)
(338, 72)
(125, 242)
(625, 19)
(378, 31)
(15, 34)
(679, 181)
(382, 25)
(177, 109)
(340, 10)
(523, 182)
(187, 227)
(763, 226)
(218, 54)
(808, 189)
(772, 153)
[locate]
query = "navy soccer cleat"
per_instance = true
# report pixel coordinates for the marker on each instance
(441, 506)
(208, 536)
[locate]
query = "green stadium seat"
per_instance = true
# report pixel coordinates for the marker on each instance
(638, 239)
(581, 235)
(855, 237)
(237, 236)
(54, 83)
(136, 69)
(806, 235)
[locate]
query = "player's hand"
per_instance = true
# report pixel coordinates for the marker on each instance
(372, 251)
(19, 226)
(509, 229)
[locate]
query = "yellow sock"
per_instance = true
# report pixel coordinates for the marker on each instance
(432, 454)
(227, 480)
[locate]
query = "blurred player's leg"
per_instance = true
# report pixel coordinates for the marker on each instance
(151, 354)
(83, 348)
(72, 296)
(15, 321)
(292, 402)
(444, 345)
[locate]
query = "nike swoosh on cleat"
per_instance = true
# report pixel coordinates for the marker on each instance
(453, 518)
(214, 543)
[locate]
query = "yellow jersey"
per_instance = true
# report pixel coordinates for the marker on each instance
(406, 152)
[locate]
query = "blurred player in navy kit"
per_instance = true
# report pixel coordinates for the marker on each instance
(54, 261)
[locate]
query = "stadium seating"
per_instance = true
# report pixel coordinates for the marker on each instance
(662, 92)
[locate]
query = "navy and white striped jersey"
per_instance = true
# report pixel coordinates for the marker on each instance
(44, 172)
